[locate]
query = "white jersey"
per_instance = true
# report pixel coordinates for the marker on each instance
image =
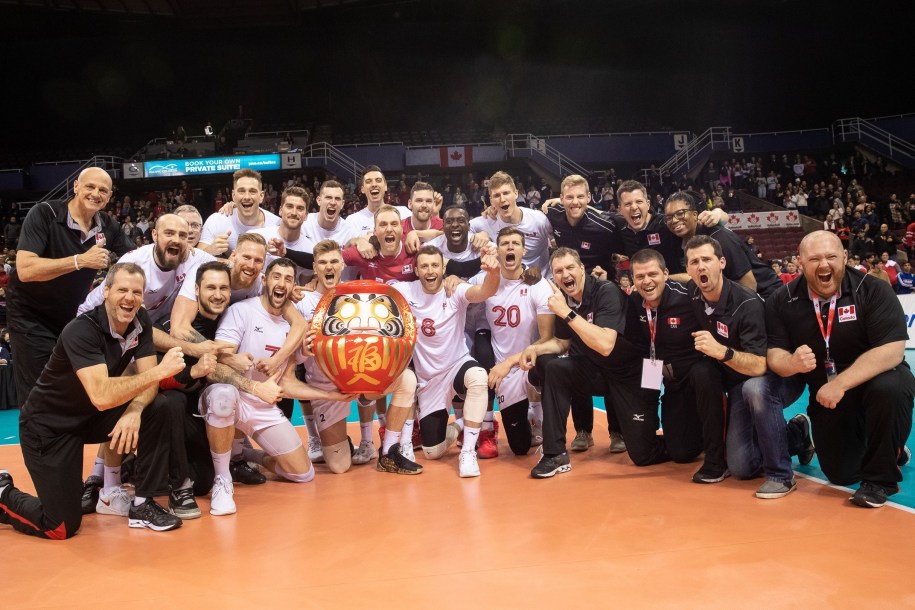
(512, 314)
(238, 294)
(363, 221)
(439, 328)
(302, 244)
(537, 233)
(342, 234)
(307, 307)
(467, 254)
(248, 325)
(161, 286)
(217, 224)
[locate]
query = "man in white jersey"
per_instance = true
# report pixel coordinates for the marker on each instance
(327, 421)
(374, 185)
(533, 223)
(165, 263)
(518, 315)
(327, 224)
(256, 326)
(220, 232)
(287, 239)
(441, 358)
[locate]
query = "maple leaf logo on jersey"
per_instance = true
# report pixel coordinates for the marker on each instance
(524, 292)
(847, 314)
(722, 329)
(654, 239)
(585, 245)
(674, 322)
(590, 317)
(408, 269)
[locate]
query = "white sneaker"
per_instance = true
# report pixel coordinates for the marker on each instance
(365, 453)
(467, 463)
(536, 433)
(315, 450)
(406, 450)
(221, 500)
(113, 501)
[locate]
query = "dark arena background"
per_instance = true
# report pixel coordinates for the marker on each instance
(711, 95)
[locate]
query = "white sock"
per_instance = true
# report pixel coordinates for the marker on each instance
(470, 438)
(98, 470)
(459, 423)
(138, 500)
(112, 476)
(390, 439)
(487, 421)
(310, 426)
(407, 430)
(365, 428)
(238, 445)
(535, 411)
(221, 464)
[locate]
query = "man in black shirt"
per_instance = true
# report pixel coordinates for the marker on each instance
(83, 397)
(845, 333)
(61, 247)
(590, 320)
(661, 322)
(734, 333)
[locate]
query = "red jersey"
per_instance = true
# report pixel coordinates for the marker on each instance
(434, 223)
(385, 269)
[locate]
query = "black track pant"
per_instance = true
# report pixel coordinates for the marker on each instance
(693, 412)
(54, 460)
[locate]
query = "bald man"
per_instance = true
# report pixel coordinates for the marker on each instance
(62, 246)
(845, 332)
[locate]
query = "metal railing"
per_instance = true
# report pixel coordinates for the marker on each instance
(856, 129)
(332, 156)
(693, 154)
(110, 164)
(553, 160)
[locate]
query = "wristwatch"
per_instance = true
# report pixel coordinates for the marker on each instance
(728, 354)
(572, 315)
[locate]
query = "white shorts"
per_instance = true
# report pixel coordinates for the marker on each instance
(435, 394)
(328, 412)
(251, 414)
(513, 388)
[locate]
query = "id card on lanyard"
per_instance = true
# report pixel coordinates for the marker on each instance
(829, 363)
(652, 368)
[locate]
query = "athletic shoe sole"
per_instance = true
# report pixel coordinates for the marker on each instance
(185, 515)
(140, 523)
(776, 494)
(547, 475)
(387, 465)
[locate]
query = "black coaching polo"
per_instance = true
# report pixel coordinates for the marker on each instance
(656, 236)
(740, 259)
(868, 315)
(595, 238)
(737, 321)
(47, 233)
(59, 401)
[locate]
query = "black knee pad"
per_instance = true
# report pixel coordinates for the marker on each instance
(432, 428)
(482, 348)
(517, 427)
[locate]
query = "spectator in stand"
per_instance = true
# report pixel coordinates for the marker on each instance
(626, 283)
(843, 232)
(460, 199)
(751, 243)
(885, 242)
(905, 281)
(889, 266)
(533, 197)
(790, 274)
(11, 233)
(798, 168)
(760, 186)
(129, 228)
(546, 191)
(829, 224)
(878, 272)
(776, 266)
(862, 246)
(403, 193)
(142, 225)
(447, 197)
(771, 186)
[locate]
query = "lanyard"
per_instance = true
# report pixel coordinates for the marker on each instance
(832, 310)
(652, 329)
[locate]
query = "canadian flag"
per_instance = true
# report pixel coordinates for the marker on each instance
(457, 156)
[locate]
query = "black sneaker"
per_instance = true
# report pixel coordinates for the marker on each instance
(711, 474)
(869, 495)
(152, 516)
(243, 472)
(90, 494)
(6, 479)
(905, 456)
(182, 504)
(395, 462)
(551, 465)
(805, 455)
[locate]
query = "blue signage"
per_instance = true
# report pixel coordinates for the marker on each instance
(210, 165)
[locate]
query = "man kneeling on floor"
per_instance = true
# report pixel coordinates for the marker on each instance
(256, 326)
(82, 398)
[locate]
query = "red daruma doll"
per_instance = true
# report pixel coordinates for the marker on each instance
(365, 334)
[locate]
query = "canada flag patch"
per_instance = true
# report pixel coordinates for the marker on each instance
(408, 269)
(100, 240)
(585, 245)
(654, 239)
(847, 313)
(673, 322)
(722, 329)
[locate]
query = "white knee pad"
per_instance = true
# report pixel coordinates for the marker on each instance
(437, 451)
(403, 390)
(477, 383)
(294, 477)
(279, 439)
(217, 405)
(338, 457)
